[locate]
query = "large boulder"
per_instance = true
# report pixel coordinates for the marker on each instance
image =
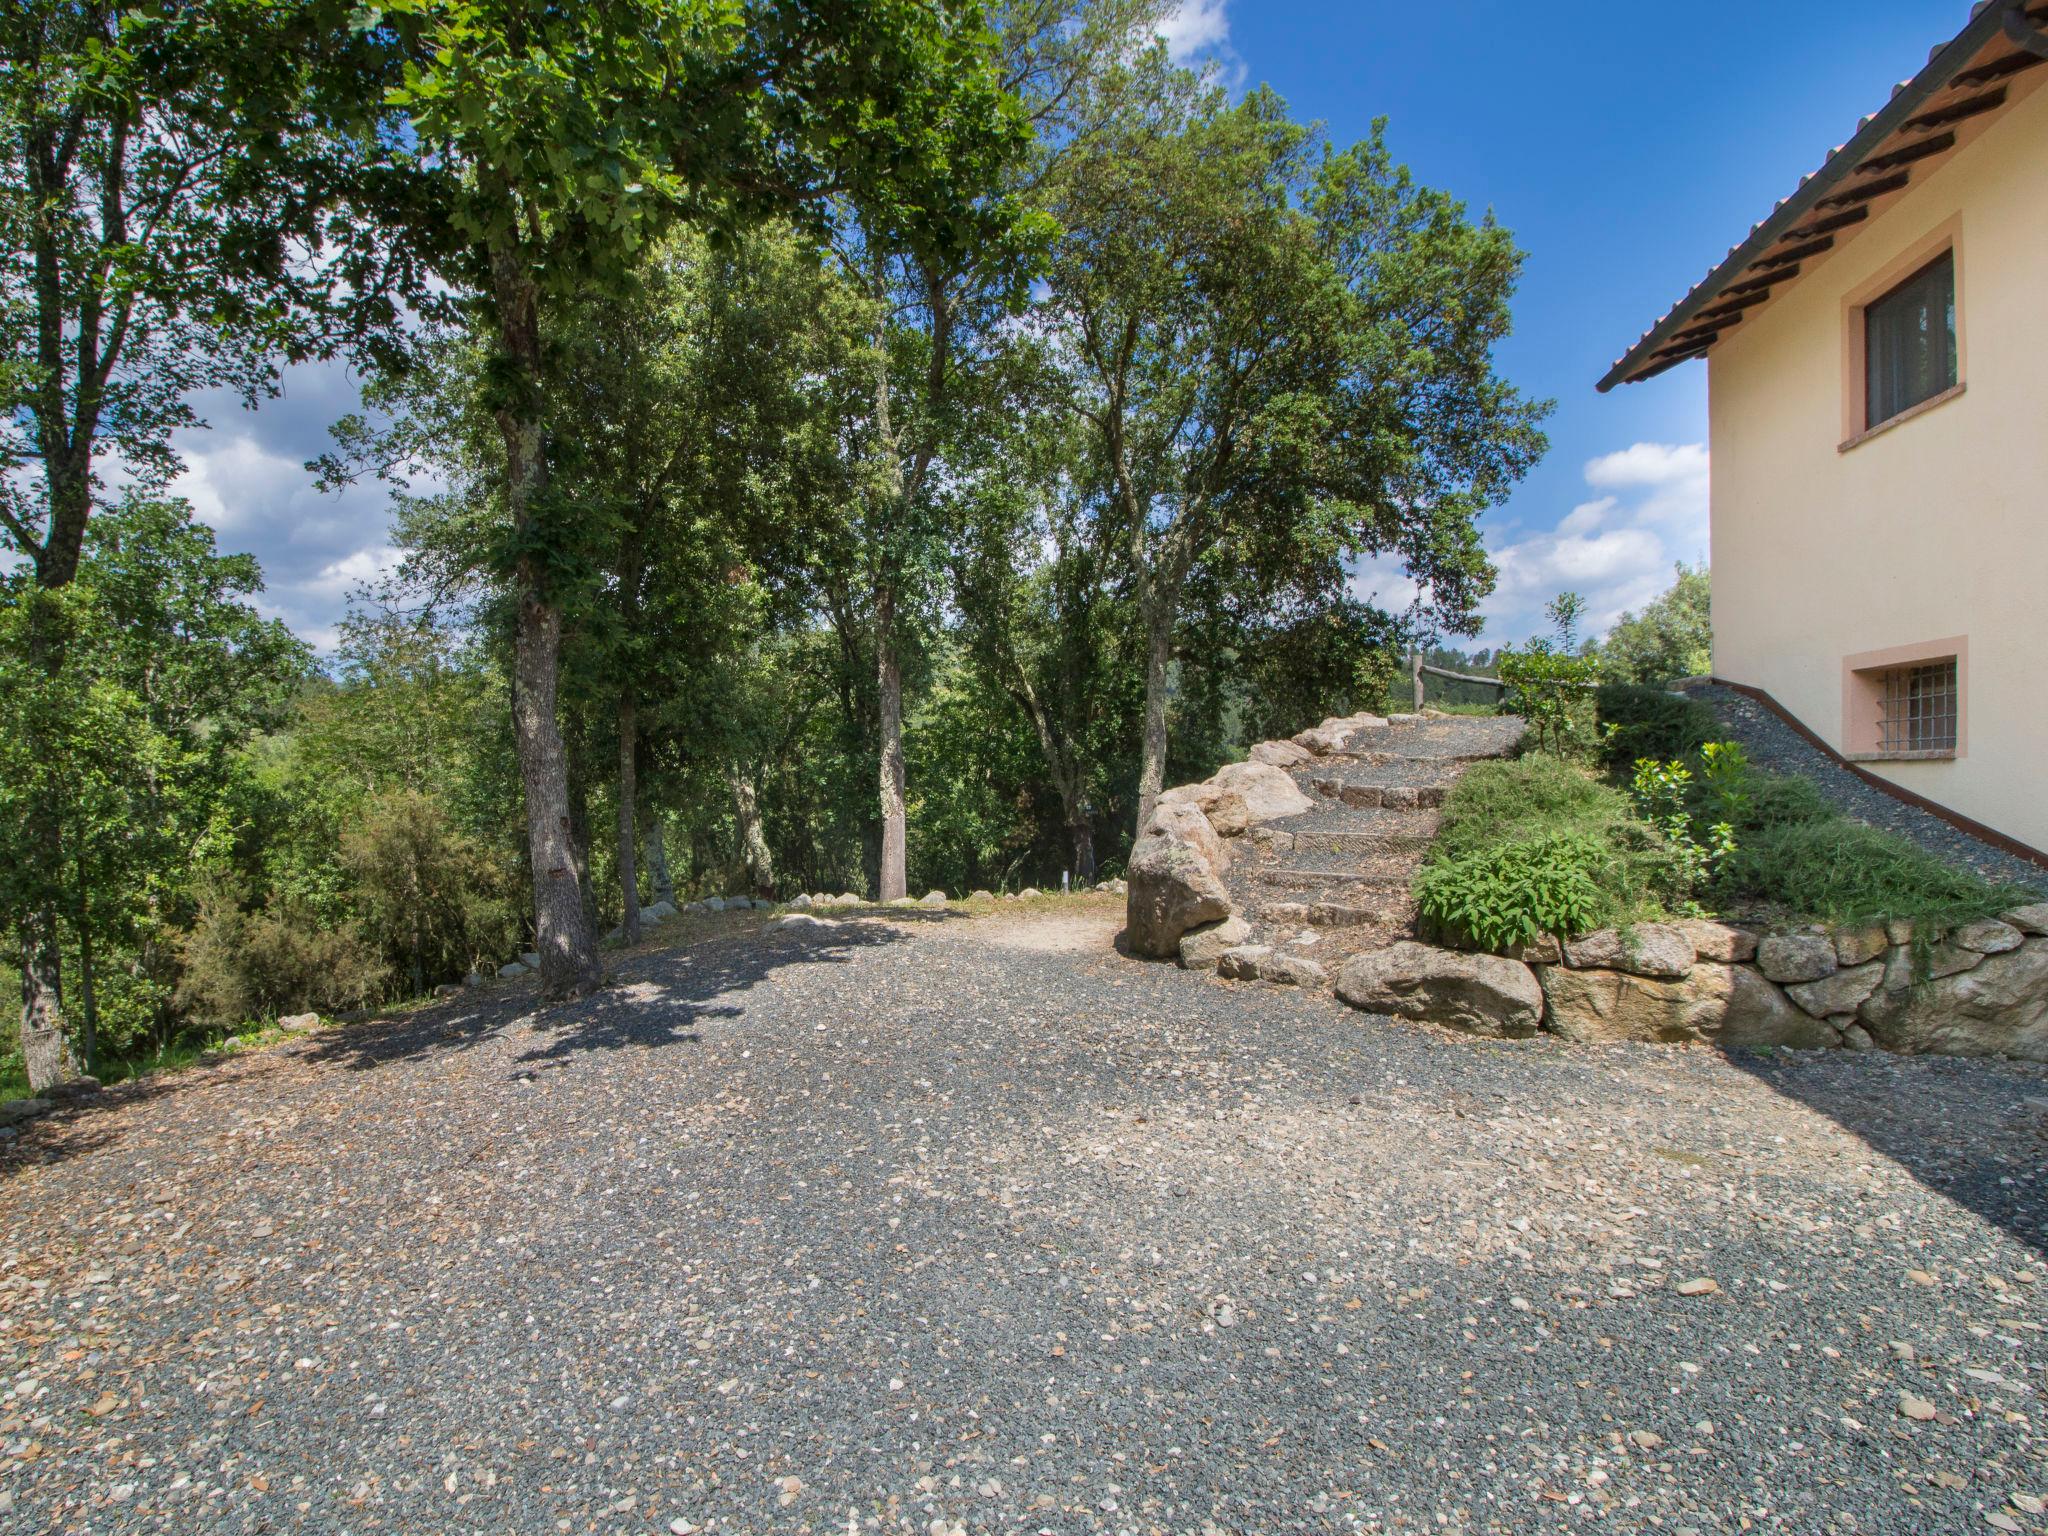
(1659, 950)
(1997, 1008)
(1270, 793)
(1282, 754)
(2031, 919)
(1176, 881)
(1480, 994)
(1201, 948)
(1987, 936)
(1243, 962)
(1722, 943)
(1285, 970)
(1728, 1004)
(1792, 957)
(1839, 995)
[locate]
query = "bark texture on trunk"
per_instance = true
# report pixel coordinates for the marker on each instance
(1158, 653)
(754, 851)
(568, 958)
(657, 861)
(629, 830)
(45, 1048)
(1082, 831)
(46, 1053)
(893, 881)
(562, 930)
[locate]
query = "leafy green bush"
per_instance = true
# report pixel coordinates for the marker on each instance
(1536, 846)
(1548, 688)
(1636, 723)
(243, 966)
(1513, 893)
(431, 898)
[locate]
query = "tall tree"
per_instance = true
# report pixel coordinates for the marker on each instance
(1277, 345)
(167, 225)
(546, 145)
(941, 310)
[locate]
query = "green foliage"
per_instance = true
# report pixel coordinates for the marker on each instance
(1841, 871)
(1548, 688)
(1636, 722)
(1670, 639)
(1539, 845)
(1512, 893)
(439, 904)
(1664, 795)
(241, 965)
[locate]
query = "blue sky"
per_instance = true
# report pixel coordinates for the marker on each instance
(1627, 145)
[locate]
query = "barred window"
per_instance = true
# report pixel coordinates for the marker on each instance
(1919, 709)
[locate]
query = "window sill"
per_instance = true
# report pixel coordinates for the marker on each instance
(1948, 756)
(1932, 402)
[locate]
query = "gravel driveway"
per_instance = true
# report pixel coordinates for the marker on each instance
(971, 1225)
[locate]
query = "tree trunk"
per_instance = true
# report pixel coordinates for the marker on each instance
(753, 842)
(1158, 653)
(629, 797)
(562, 930)
(657, 862)
(1082, 831)
(893, 879)
(45, 1052)
(568, 958)
(45, 1049)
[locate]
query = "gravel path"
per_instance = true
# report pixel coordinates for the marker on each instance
(964, 1225)
(1774, 745)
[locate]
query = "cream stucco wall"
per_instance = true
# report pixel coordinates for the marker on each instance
(1933, 530)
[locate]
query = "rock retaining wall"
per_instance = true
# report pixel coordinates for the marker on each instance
(1979, 990)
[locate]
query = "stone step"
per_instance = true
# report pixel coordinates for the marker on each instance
(1327, 879)
(1321, 914)
(1365, 843)
(1381, 797)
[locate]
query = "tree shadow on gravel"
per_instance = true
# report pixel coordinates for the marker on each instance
(1974, 1131)
(655, 997)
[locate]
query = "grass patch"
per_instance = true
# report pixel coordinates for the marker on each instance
(1843, 872)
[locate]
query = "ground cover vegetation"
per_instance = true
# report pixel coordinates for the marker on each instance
(1628, 808)
(830, 447)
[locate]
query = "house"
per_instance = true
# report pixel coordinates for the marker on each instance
(1877, 359)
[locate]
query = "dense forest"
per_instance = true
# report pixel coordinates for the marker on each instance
(864, 448)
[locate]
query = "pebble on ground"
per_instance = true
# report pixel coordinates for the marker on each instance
(942, 1223)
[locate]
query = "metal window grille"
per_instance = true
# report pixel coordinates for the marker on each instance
(1919, 709)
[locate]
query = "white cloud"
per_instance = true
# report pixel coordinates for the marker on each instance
(1587, 516)
(1649, 464)
(1195, 27)
(246, 479)
(1616, 551)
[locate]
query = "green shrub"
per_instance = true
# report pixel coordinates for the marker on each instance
(1513, 893)
(1636, 723)
(431, 899)
(1537, 846)
(244, 966)
(1841, 871)
(1548, 688)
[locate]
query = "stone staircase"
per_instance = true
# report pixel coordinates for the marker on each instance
(1333, 881)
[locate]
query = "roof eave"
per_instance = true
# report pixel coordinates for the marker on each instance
(1943, 65)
